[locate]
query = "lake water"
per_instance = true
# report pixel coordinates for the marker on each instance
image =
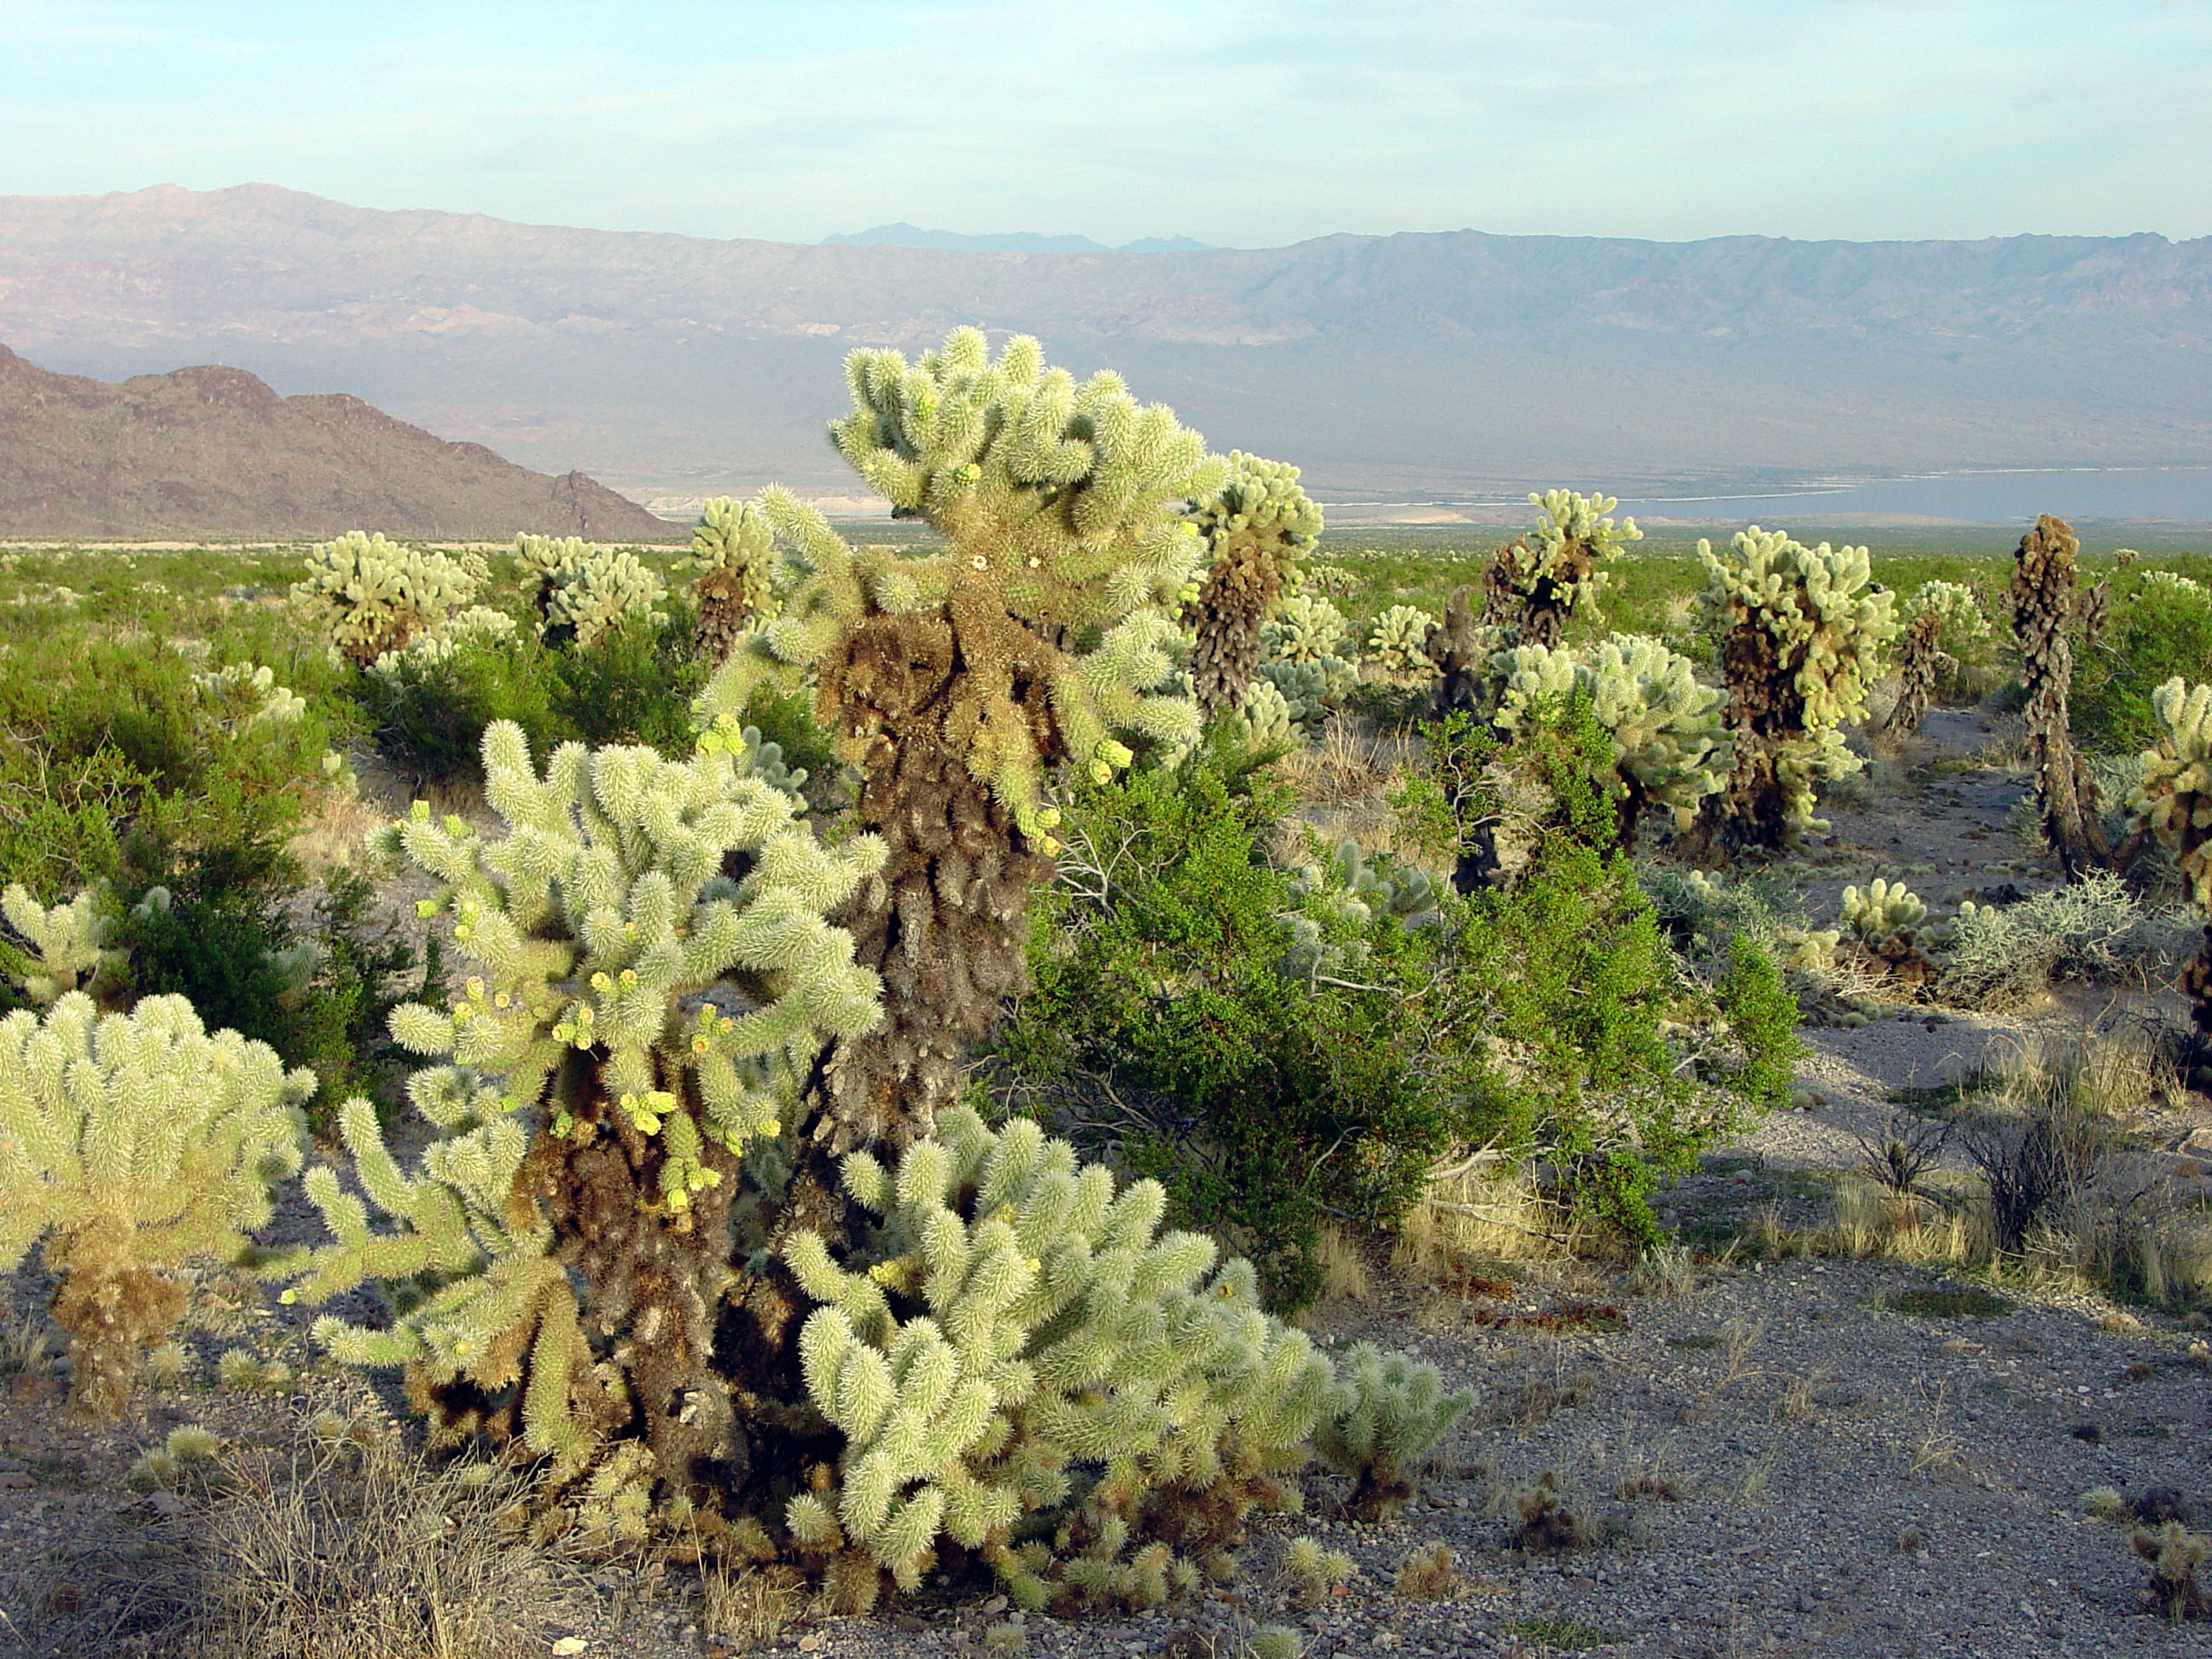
(2179, 493)
(2173, 493)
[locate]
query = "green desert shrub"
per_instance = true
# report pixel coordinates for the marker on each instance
(1279, 1047)
(2093, 930)
(2160, 629)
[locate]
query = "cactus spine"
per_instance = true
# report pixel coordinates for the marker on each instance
(2173, 801)
(954, 680)
(1535, 582)
(580, 590)
(640, 1022)
(1799, 634)
(731, 549)
(1939, 610)
(1255, 525)
(2046, 605)
(1670, 748)
(375, 595)
(132, 1144)
(1399, 639)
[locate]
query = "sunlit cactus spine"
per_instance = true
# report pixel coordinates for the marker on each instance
(1671, 748)
(1800, 631)
(2048, 604)
(132, 1145)
(1939, 613)
(1399, 639)
(1018, 1353)
(1536, 582)
(653, 979)
(475, 629)
(1393, 1410)
(2173, 801)
(1255, 525)
(956, 681)
(733, 550)
(1305, 628)
(1263, 721)
(246, 694)
(1890, 921)
(69, 942)
(580, 590)
(374, 596)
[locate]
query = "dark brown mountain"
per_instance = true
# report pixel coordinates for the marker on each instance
(212, 452)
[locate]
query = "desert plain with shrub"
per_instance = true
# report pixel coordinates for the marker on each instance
(1098, 1066)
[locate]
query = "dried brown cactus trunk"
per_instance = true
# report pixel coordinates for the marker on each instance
(1765, 711)
(112, 1308)
(1519, 594)
(2046, 605)
(720, 594)
(1919, 664)
(1245, 580)
(943, 922)
(1461, 647)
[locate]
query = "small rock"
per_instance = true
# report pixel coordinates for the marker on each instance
(2092, 1434)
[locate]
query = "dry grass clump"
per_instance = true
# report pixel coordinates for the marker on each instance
(2047, 1184)
(1481, 1211)
(750, 1606)
(345, 1544)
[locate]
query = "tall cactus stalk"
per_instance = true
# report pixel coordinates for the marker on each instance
(1255, 525)
(1800, 630)
(2046, 605)
(953, 680)
(1939, 610)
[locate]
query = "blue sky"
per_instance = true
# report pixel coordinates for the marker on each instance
(1237, 122)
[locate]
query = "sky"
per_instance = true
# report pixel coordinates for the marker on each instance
(1239, 122)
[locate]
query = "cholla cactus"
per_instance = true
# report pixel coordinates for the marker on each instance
(1305, 628)
(1360, 887)
(582, 590)
(1396, 1411)
(1670, 748)
(733, 548)
(376, 595)
(2168, 585)
(1537, 580)
(638, 1019)
(476, 629)
(1016, 1323)
(1800, 633)
(1311, 690)
(762, 760)
(2046, 605)
(1940, 613)
(1461, 647)
(133, 1144)
(1254, 526)
(2173, 801)
(1264, 722)
(953, 680)
(248, 695)
(1888, 919)
(68, 943)
(1399, 639)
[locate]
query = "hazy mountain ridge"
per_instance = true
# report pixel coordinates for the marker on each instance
(1419, 360)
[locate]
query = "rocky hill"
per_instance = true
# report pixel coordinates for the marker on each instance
(1384, 364)
(212, 452)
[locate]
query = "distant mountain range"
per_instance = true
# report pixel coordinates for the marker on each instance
(213, 453)
(904, 234)
(1405, 368)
